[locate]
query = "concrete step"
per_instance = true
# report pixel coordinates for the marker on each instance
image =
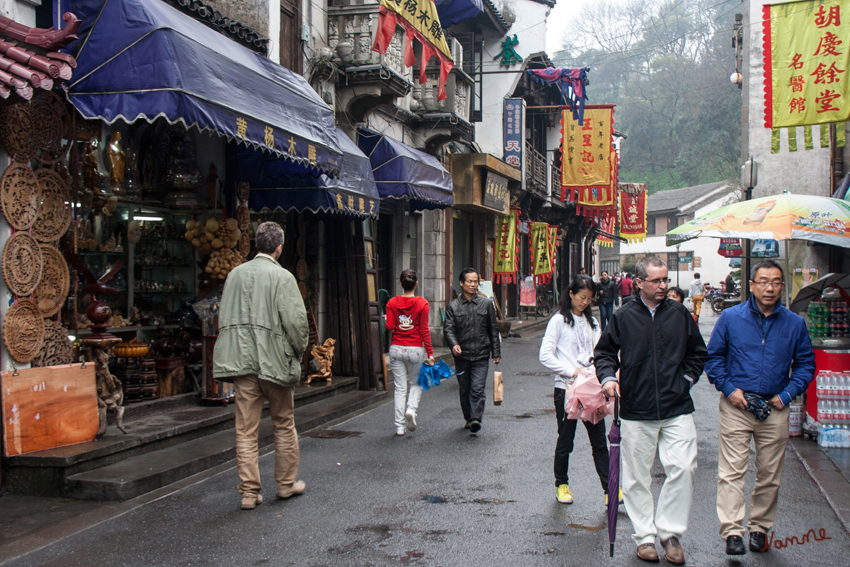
(159, 425)
(143, 473)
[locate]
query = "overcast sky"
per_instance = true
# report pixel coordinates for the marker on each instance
(558, 18)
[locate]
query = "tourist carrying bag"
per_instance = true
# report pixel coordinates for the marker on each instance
(498, 388)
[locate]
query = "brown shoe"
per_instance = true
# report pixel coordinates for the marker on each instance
(298, 487)
(673, 552)
(250, 501)
(646, 551)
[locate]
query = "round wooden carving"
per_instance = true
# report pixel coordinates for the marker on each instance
(19, 196)
(52, 290)
(301, 246)
(54, 208)
(18, 131)
(243, 189)
(243, 216)
(22, 263)
(244, 245)
(302, 224)
(23, 330)
(302, 287)
(301, 270)
(53, 125)
(57, 347)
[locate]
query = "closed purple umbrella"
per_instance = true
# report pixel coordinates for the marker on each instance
(614, 474)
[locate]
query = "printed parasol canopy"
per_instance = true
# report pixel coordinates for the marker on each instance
(778, 217)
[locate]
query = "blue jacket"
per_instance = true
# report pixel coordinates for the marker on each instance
(754, 353)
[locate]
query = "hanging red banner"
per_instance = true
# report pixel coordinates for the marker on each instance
(589, 163)
(633, 211)
(420, 20)
(607, 225)
(507, 248)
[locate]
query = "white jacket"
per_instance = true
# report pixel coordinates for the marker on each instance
(565, 348)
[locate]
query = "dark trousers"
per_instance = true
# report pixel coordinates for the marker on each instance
(605, 312)
(472, 379)
(566, 434)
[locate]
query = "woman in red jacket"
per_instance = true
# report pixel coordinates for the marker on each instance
(407, 318)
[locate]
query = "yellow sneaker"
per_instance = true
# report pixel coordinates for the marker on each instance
(619, 500)
(565, 496)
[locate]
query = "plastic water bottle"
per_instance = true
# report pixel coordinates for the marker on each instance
(821, 416)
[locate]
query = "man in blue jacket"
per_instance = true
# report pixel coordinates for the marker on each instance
(751, 350)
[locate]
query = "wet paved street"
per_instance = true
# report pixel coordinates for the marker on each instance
(439, 496)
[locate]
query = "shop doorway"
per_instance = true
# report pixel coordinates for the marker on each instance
(461, 250)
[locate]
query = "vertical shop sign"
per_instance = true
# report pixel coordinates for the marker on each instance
(633, 211)
(514, 117)
(495, 191)
(504, 259)
(589, 167)
(541, 252)
(806, 58)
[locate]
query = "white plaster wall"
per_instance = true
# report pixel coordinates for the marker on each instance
(803, 171)
(274, 30)
(530, 29)
(714, 268)
(22, 11)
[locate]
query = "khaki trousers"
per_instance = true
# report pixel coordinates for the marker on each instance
(737, 427)
(250, 393)
(697, 299)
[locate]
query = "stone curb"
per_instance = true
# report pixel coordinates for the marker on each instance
(825, 493)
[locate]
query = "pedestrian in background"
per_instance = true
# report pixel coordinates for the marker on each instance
(473, 335)
(676, 294)
(751, 350)
(697, 291)
(659, 352)
(262, 338)
(407, 320)
(606, 291)
(624, 288)
(617, 280)
(567, 347)
(730, 283)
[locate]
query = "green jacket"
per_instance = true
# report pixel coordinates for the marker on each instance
(262, 324)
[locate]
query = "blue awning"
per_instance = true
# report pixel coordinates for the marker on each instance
(402, 172)
(145, 59)
(280, 184)
(456, 11)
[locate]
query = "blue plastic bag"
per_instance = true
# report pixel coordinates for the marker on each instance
(431, 375)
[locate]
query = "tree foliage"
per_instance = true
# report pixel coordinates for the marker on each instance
(666, 65)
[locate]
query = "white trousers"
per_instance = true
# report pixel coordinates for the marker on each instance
(676, 440)
(405, 363)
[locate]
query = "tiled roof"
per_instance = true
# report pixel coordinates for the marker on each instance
(681, 200)
(29, 57)
(497, 14)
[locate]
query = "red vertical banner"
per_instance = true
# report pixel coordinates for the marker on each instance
(606, 224)
(633, 211)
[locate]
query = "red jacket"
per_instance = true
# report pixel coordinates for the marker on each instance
(625, 287)
(407, 317)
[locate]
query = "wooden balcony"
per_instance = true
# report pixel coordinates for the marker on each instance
(535, 169)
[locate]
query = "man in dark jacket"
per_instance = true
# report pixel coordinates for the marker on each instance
(473, 335)
(657, 347)
(606, 291)
(752, 348)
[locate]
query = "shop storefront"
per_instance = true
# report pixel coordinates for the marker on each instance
(136, 181)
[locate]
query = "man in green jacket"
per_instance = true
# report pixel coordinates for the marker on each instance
(262, 337)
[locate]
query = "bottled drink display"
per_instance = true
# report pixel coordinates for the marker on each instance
(833, 390)
(828, 319)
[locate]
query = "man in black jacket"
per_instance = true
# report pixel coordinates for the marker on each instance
(472, 333)
(657, 347)
(606, 292)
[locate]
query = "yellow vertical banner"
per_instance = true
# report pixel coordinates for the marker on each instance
(589, 162)
(806, 57)
(505, 254)
(541, 253)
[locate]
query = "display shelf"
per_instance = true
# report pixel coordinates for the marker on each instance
(148, 293)
(113, 330)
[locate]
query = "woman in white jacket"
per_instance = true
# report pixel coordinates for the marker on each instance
(568, 346)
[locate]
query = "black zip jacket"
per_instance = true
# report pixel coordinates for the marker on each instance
(472, 325)
(606, 291)
(653, 357)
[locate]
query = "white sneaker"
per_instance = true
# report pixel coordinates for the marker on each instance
(399, 430)
(411, 420)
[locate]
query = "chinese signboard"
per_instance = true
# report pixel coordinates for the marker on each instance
(495, 189)
(589, 167)
(806, 58)
(541, 252)
(527, 294)
(633, 211)
(420, 20)
(607, 226)
(514, 117)
(730, 248)
(505, 257)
